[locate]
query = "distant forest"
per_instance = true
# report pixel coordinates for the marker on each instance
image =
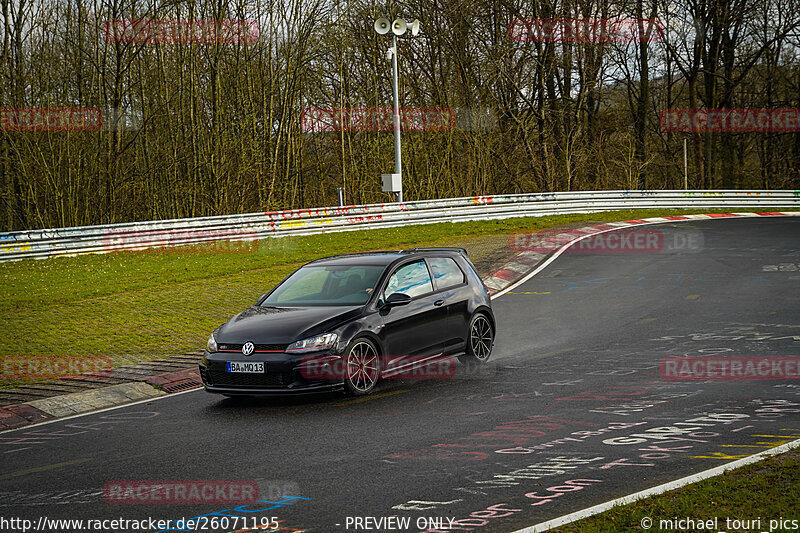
(194, 128)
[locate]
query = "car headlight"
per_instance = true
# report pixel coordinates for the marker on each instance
(211, 345)
(312, 344)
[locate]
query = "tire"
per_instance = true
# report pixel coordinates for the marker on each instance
(480, 340)
(362, 367)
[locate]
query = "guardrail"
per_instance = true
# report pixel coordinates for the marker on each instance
(138, 235)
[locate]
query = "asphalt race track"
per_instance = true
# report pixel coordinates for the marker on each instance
(587, 400)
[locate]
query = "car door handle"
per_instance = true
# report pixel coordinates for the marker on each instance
(438, 302)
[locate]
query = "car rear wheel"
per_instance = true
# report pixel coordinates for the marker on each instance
(362, 367)
(480, 341)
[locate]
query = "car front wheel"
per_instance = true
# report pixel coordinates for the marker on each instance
(362, 367)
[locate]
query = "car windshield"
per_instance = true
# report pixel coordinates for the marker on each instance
(327, 285)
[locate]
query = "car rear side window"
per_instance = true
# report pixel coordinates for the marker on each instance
(446, 272)
(412, 279)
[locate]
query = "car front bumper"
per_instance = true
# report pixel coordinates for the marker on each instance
(283, 373)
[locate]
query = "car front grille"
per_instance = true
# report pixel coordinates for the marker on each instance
(242, 379)
(224, 347)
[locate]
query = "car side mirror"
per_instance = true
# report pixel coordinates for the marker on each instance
(397, 298)
(261, 298)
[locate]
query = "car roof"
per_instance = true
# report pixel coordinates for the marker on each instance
(384, 257)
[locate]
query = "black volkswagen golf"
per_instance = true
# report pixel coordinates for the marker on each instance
(346, 321)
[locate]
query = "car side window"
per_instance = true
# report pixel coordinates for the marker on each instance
(412, 279)
(446, 272)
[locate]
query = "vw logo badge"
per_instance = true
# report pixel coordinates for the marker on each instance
(248, 348)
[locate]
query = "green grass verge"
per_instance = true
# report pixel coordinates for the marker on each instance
(134, 306)
(769, 490)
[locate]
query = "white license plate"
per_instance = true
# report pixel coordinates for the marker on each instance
(250, 368)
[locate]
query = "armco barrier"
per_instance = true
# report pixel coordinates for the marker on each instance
(138, 235)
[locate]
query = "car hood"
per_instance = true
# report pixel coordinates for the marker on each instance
(283, 325)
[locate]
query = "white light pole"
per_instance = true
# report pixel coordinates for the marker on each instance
(685, 167)
(394, 182)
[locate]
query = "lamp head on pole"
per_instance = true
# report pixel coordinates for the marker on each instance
(382, 26)
(399, 26)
